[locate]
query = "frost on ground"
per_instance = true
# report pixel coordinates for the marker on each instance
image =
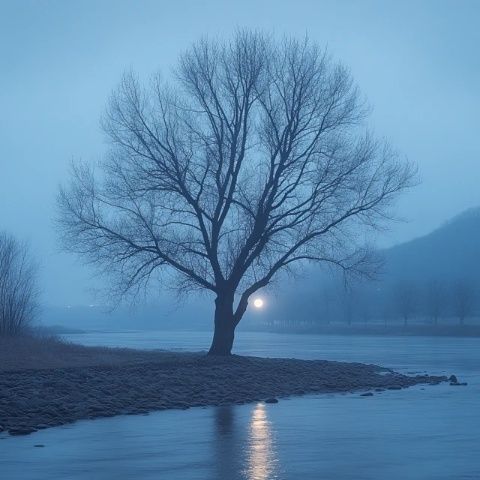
(48, 383)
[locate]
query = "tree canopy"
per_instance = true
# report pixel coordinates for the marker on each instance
(252, 158)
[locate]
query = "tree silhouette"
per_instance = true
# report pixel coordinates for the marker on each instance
(435, 300)
(18, 286)
(406, 300)
(463, 299)
(252, 160)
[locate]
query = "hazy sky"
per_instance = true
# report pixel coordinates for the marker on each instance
(418, 62)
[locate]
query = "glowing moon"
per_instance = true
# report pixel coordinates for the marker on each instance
(258, 303)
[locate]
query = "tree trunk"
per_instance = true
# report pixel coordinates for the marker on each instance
(224, 333)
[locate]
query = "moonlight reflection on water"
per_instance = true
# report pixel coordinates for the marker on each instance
(262, 459)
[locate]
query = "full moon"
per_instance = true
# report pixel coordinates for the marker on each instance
(258, 303)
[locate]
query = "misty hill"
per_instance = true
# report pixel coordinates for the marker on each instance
(452, 252)
(448, 256)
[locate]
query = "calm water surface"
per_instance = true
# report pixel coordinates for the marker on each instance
(419, 433)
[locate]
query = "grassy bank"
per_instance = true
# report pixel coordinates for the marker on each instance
(49, 352)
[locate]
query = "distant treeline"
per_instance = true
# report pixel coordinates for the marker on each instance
(404, 303)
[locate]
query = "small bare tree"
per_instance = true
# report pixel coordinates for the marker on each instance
(406, 300)
(253, 160)
(435, 299)
(18, 286)
(463, 299)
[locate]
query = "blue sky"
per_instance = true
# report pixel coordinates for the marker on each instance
(417, 63)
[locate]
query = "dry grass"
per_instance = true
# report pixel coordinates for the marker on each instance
(29, 352)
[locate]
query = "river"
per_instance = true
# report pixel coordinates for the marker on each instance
(428, 432)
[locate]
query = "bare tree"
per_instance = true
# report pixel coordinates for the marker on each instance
(18, 287)
(365, 302)
(436, 300)
(327, 300)
(347, 299)
(463, 299)
(253, 160)
(406, 300)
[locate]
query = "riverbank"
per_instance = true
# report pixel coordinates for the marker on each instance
(45, 383)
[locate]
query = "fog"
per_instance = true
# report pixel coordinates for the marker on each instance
(243, 237)
(418, 66)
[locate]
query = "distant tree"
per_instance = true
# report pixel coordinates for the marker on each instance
(18, 286)
(347, 297)
(365, 303)
(253, 162)
(435, 300)
(463, 295)
(326, 300)
(382, 301)
(405, 299)
(386, 312)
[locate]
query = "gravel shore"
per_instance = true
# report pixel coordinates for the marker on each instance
(106, 382)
